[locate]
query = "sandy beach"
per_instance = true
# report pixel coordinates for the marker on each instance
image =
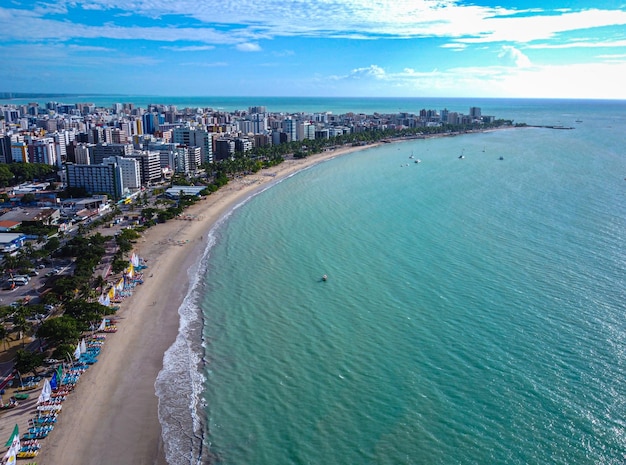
(111, 417)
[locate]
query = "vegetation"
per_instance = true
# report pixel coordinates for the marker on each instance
(59, 330)
(28, 362)
(27, 172)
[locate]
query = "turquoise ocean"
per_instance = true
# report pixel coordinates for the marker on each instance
(474, 311)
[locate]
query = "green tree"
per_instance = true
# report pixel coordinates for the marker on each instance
(85, 313)
(52, 244)
(6, 177)
(99, 282)
(64, 351)
(67, 287)
(4, 336)
(21, 325)
(60, 330)
(28, 198)
(27, 361)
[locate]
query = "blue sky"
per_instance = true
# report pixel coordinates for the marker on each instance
(378, 48)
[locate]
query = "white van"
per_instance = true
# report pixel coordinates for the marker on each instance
(18, 280)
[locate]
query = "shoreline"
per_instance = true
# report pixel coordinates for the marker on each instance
(116, 418)
(112, 416)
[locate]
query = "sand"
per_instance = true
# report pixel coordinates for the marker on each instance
(111, 417)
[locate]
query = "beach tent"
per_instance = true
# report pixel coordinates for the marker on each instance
(77, 352)
(83, 346)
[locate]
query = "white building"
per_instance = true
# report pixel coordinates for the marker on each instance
(43, 150)
(130, 172)
(195, 137)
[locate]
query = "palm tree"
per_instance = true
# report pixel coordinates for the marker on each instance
(99, 282)
(10, 262)
(4, 336)
(21, 326)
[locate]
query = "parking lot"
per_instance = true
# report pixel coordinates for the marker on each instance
(30, 291)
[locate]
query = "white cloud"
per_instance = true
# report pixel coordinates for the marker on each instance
(248, 47)
(284, 53)
(455, 46)
(596, 81)
(215, 64)
(373, 71)
(610, 43)
(513, 57)
(89, 48)
(189, 48)
(464, 23)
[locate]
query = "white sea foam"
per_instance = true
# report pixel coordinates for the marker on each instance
(179, 385)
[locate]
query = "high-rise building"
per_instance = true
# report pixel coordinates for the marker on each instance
(243, 144)
(60, 147)
(224, 148)
(96, 179)
(166, 151)
(42, 150)
(5, 149)
(289, 128)
(19, 151)
(195, 137)
(259, 123)
(83, 153)
(151, 122)
(149, 164)
(188, 159)
(118, 136)
(305, 130)
(102, 151)
(130, 172)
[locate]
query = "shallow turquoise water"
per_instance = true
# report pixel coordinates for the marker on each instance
(474, 311)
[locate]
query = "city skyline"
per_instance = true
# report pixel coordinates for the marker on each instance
(574, 49)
